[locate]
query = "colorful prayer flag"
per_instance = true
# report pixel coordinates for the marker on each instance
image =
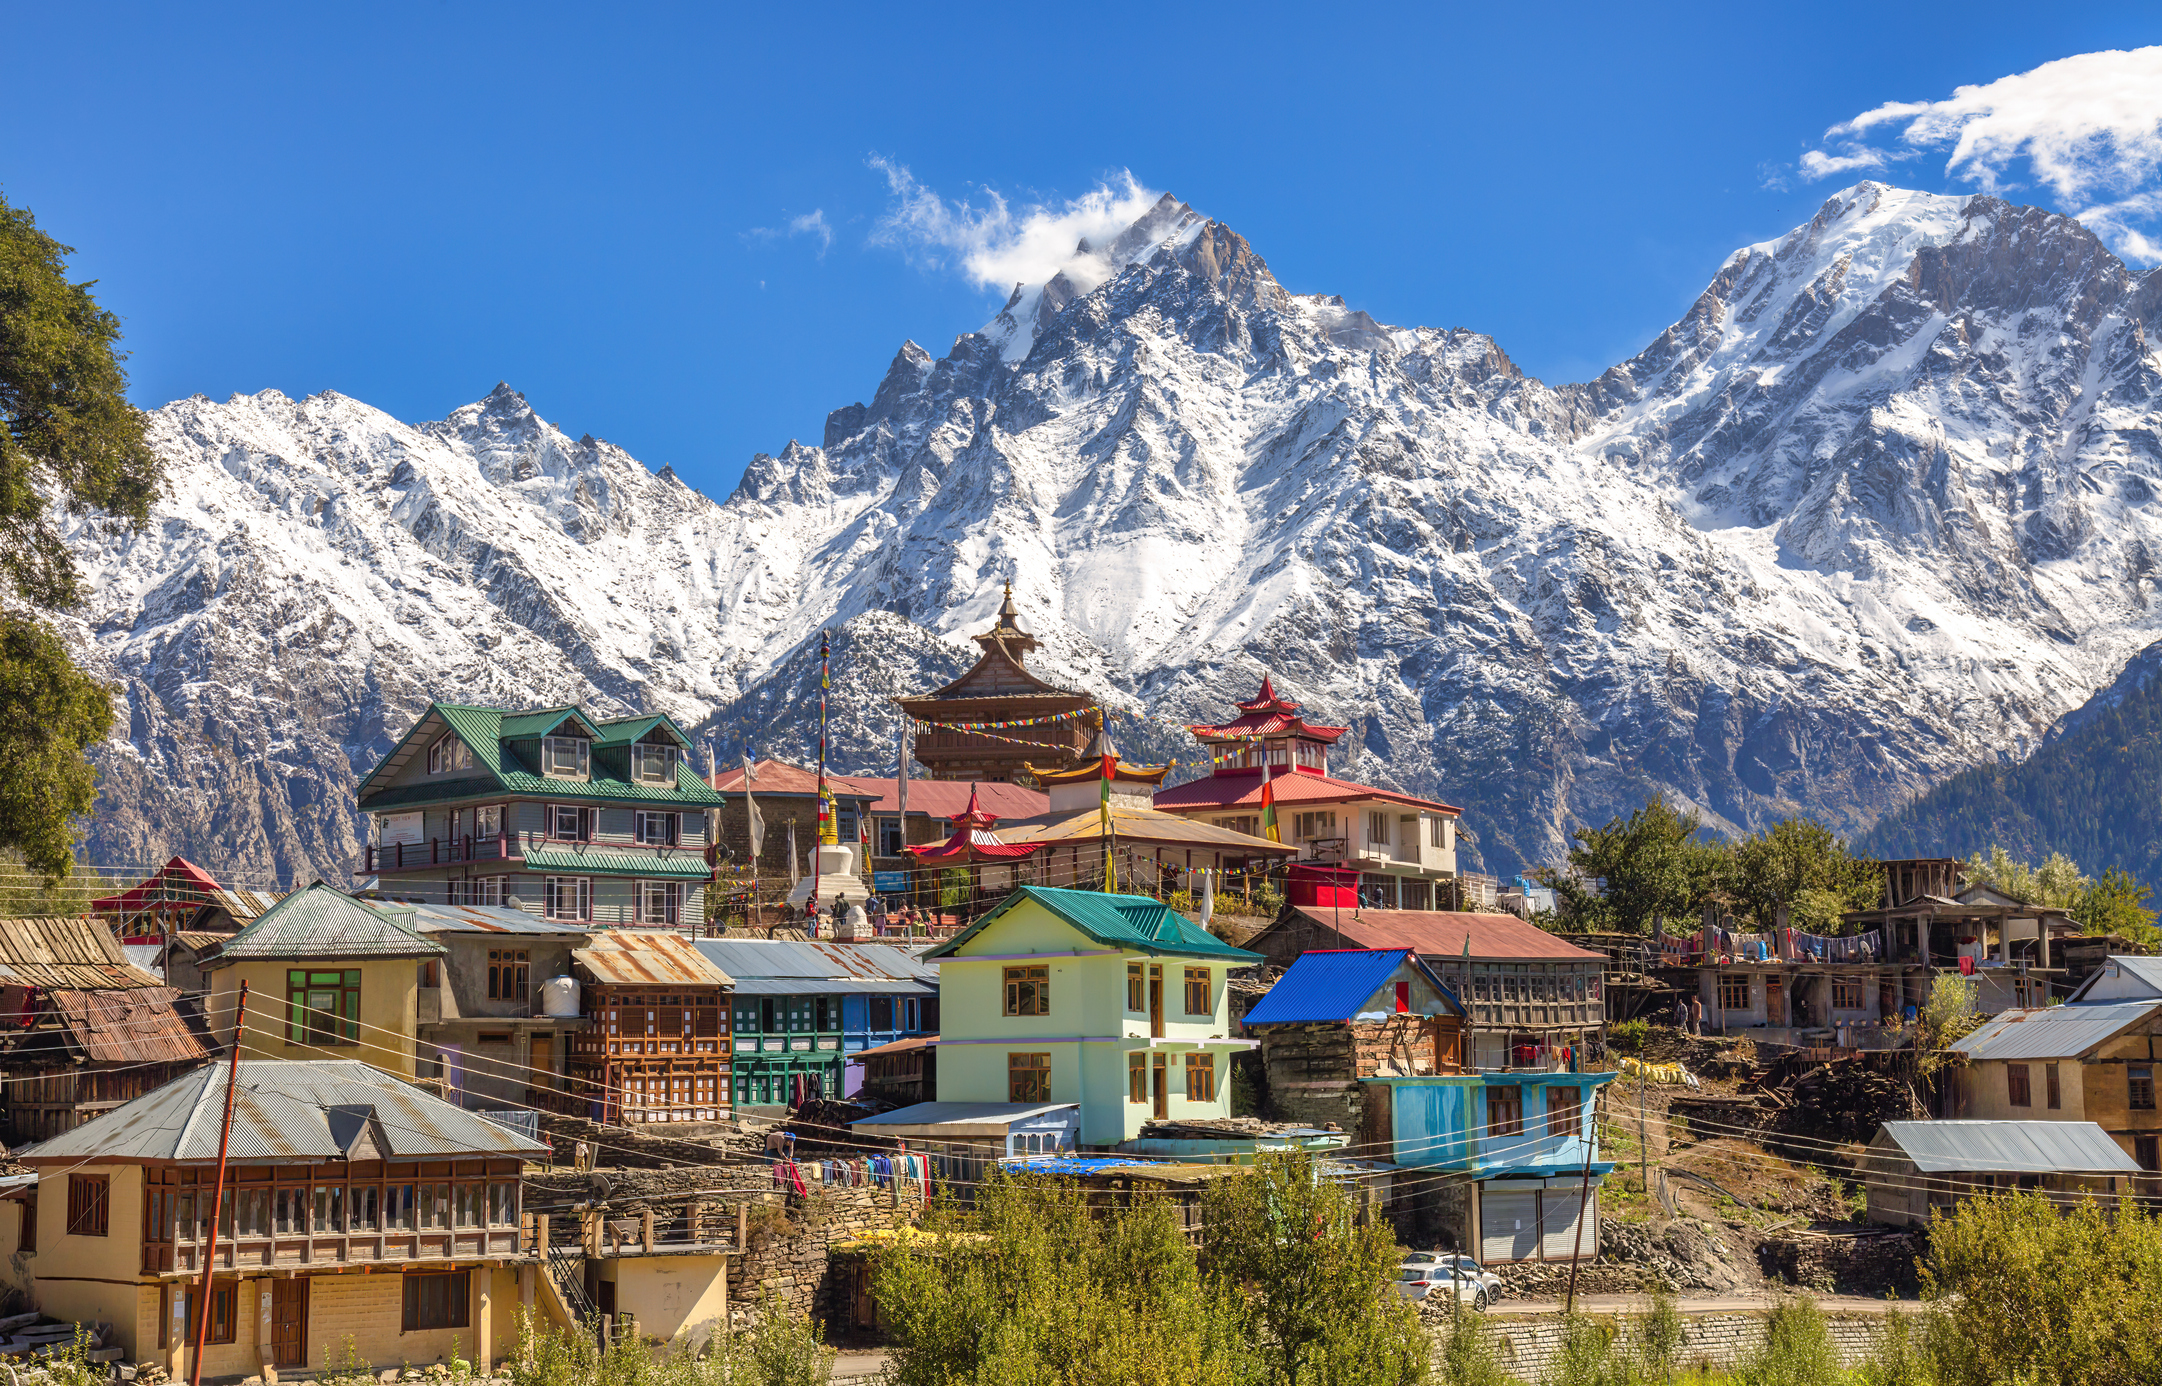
(1269, 829)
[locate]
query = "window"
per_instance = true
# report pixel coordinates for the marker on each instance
(570, 823)
(566, 757)
(1198, 1000)
(659, 829)
(890, 839)
(1137, 1075)
(2015, 1083)
(366, 1209)
(477, 890)
(1028, 992)
(660, 902)
(221, 1310)
(2145, 1154)
(1733, 992)
(322, 1007)
(1317, 824)
(1846, 996)
(89, 1204)
(436, 1301)
(1028, 1077)
(506, 974)
(1136, 995)
(882, 1013)
(1437, 831)
(1200, 1077)
(1563, 1107)
(567, 897)
(2139, 1087)
(1247, 825)
(653, 764)
(330, 1208)
(1504, 1111)
(2054, 1093)
(503, 1204)
(488, 820)
(449, 754)
(1377, 828)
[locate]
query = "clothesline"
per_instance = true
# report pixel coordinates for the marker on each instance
(907, 1175)
(1776, 945)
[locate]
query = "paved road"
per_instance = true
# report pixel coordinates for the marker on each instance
(858, 1366)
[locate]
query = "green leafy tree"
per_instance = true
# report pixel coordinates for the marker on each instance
(68, 431)
(1652, 865)
(2056, 884)
(1804, 866)
(2117, 904)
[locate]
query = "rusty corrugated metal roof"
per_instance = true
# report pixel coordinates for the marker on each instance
(140, 1024)
(75, 954)
(639, 957)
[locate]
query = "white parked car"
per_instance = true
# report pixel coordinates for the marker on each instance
(1466, 1266)
(1445, 1275)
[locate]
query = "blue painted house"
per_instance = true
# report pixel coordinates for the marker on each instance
(801, 1009)
(1527, 1143)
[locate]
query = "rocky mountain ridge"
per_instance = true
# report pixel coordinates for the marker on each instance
(1880, 506)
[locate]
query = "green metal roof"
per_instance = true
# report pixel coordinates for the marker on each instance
(626, 730)
(323, 922)
(689, 789)
(522, 726)
(1116, 921)
(487, 729)
(616, 861)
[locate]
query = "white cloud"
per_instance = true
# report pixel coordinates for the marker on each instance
(2088, 127)
(998, 246)
(811, 223)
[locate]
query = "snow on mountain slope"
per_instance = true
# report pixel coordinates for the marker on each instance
(1879, 506)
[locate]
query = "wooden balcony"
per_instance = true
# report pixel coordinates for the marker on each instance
(346, 1249)
(504, 849)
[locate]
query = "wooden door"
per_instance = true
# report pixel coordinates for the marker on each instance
(1156, 1003)
(1160, 1082)
(289, 1321)
(1377, 1130)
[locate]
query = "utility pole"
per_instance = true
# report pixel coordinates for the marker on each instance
(217, 1199)
(1644, 1150)
(1583, 1196)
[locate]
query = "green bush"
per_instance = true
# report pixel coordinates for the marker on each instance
(785, 1348)
(1798, 1349)
(1628, 1036)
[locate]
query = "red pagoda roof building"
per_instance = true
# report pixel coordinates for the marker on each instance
(972, 841)
(1401, 847)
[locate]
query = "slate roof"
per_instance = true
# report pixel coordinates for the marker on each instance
(283, 1109)
(2023, 1147)
(1336, 984)
(1115, 921)
(2054, 1032)
(324, 922)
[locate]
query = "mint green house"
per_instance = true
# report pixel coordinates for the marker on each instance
(579, 819)
(1114, 1002)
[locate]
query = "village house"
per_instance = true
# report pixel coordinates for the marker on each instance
(328, 976)
(1402, 847)
(2091, 1059)
(786, 798)
(358, 1210)
(1036, 723)
(1112, 1002)
(575, 818)
(1531, 997)
(87, 1030)
(1337, 1016)
(655, 1044)
(803, 1010)
(496, 1015)
(1917, 1170)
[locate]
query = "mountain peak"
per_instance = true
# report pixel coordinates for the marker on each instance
(1031, 307)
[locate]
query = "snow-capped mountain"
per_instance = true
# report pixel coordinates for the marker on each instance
(1881, 505)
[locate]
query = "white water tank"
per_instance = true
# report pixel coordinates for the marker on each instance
(559, 996)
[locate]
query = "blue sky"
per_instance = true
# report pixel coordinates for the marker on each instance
(408, 203)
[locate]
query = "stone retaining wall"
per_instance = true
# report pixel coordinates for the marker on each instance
(794, 1266)
(1529, 1346)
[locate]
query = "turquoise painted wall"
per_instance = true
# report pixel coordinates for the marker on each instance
(1441, 1123)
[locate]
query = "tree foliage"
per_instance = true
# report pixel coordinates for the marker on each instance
(1031, 1287)
(2113, 904)
(68, 431)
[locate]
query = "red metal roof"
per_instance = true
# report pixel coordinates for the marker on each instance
(1233, 790)
(1265, 714)
(1441, 934)
(179, 884)
(973, 839)
(948, 798)
(780, 777)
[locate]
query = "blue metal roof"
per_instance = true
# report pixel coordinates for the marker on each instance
(1334, 984)
(1073, 1164)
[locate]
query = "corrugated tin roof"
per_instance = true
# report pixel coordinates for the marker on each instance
(637, 957)
(818, 958)
(962, 1114)
(2023, 1147)
(141, 1024)
(281, 1111)
(2054, 1032)
(1116, 921)
(681, 864)
(1334, 985)
(147, 956)
(1135, 824)
(830, 986)
(488, 919)
(76, 954)
(324, 922)
(2137, 974)
(1441, 934)
(900, 1046)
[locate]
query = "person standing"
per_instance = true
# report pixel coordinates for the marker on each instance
(1696, 1015)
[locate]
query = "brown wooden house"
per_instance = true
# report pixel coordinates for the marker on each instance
(1000, 689)
(84, 1030)
(656, 1046)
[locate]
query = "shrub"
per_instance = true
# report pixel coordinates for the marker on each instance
(1467, 1354)
(1628, 1036)
(1798, 1349)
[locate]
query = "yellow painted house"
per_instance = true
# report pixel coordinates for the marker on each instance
(356, 1207)
(1115, 1002)
(329, 977)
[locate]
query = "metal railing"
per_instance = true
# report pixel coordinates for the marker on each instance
(437, 851)
(567, 1267)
